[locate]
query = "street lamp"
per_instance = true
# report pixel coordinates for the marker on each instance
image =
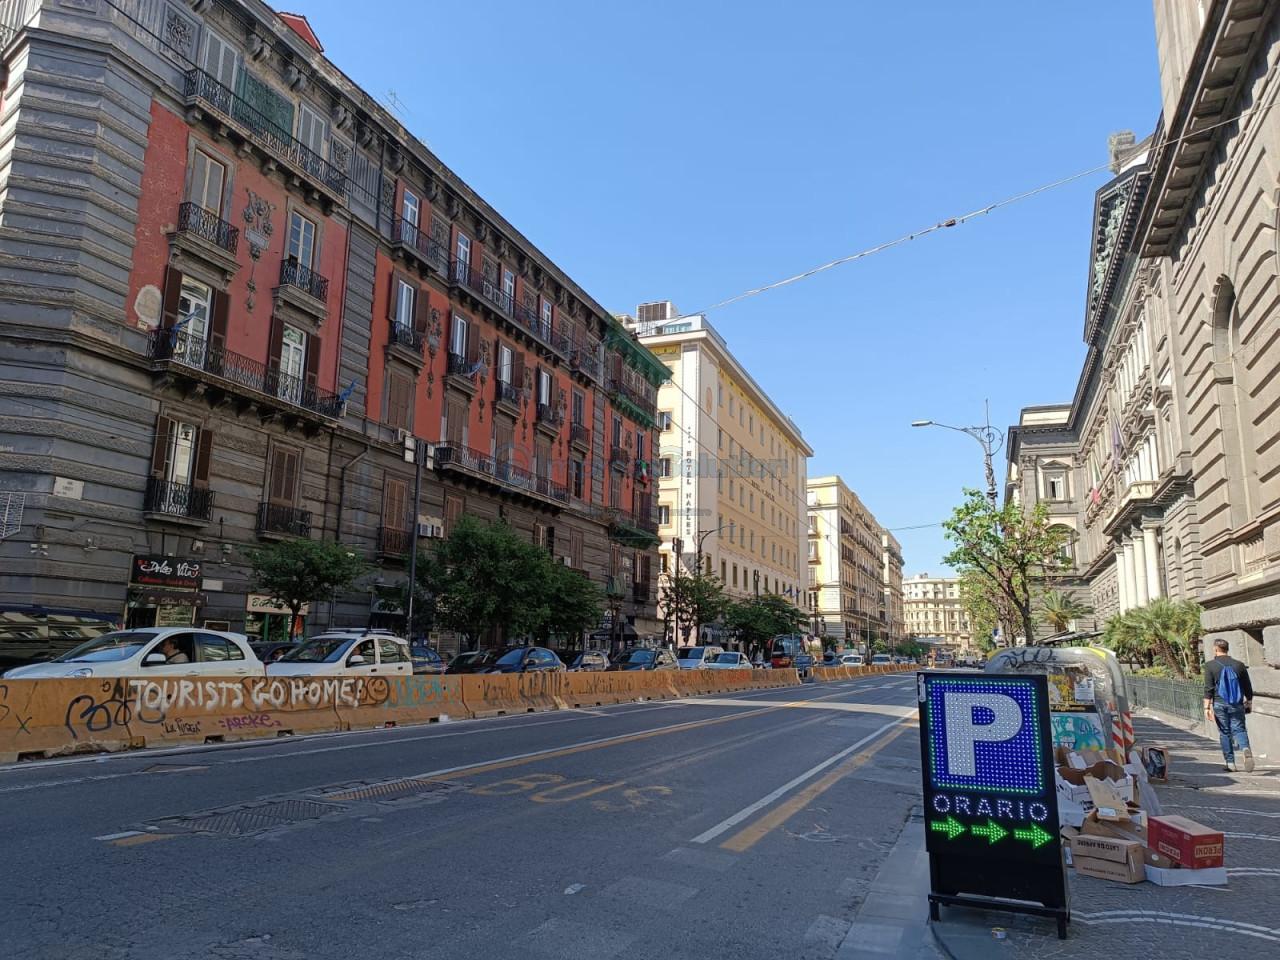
(988, 436)
(701, 539)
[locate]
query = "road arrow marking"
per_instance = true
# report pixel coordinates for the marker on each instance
(950, 826)
(992, 831)
(1034, 835)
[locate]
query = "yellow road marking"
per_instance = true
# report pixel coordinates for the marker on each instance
(138, 838)
(749, 836)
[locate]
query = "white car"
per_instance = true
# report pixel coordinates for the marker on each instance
(850, 660)
(881, 660)
(728, 660)
(152, 652)
(346, 654)
(695, 658)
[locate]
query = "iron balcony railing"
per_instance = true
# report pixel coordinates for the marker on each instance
(619, 456)
(393, 542)
(491, 292)
(279, 142)
(191, 351)
(644, 402)
(304, 278)
(585, 358)
(197, 221)
(504, 392)
(278, 518)
(409, 235)
(177, 500)
(641, 592)
(405, 335)
(579, 434)
(549, 415)
(504, 473)
(636, 521)
(460, 366)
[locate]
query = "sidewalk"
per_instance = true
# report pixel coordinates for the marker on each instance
(1144, 920)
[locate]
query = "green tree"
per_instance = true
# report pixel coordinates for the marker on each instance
(569, 604)
(758, 619)
(1060, 608)
(1009, 547)
(692, 599)
(295, 572)
(1165, 630)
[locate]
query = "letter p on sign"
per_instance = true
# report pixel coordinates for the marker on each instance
(973, 718)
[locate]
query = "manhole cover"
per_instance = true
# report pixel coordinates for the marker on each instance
(382, 791)
(250, 818)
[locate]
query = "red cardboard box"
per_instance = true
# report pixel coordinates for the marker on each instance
(1185, 842)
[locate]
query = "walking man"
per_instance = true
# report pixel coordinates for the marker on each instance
(1228, 696)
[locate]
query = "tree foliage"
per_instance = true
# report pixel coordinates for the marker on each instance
(759, 619)
(1009, 547)
(1165, 632)
(1059, 608)
(692, 599)
(295, 572)
(486, 578)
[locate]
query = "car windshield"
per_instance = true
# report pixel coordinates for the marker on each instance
(637, 656)
(689, 653)
(511, 657)
(109, 647)
(319, 650)
(723, 658)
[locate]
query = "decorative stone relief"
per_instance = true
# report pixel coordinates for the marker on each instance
(431, 379)
(482, 230)
(258, 47)
(258, 229)
(147, 306)
(340, 155)
(179, 32)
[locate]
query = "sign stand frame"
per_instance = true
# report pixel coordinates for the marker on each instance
(1027, 881)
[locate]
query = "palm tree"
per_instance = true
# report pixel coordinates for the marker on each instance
(1060, 608)
(1165, 630)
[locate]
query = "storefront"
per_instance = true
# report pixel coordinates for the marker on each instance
(266, 621)
(163, 592)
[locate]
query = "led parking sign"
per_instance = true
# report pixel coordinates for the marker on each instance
(991, 813)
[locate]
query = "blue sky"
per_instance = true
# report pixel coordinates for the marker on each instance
(693, 150)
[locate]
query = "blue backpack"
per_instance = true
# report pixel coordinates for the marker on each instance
(1229, 686)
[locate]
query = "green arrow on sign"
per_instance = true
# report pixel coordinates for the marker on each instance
(1034, 835)
(992, 831)
(950, 826)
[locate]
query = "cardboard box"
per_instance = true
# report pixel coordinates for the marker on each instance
(1133, 826)
(1110, 798)
(1106, 848)
(1068, 833)
(1131, 871)
(1188, 843)
(1181, 876)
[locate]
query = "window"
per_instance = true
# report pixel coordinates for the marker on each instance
(391, 652)
(455, 422)
(1057, 487)
(617, 430)
(719, 439)
(664, 515)
(463, 253)
(399, 400)
(293, 360)
(579, 407)
(282, 476)
(302, 239)
(544, 388)
(579, 475)
(410, 209)
(208, 177)
(508, 289)
(181, 453)
(575, 548)
(194, 311)
(664, 467)
(210, 647)
(639, 445)
(458, 339)
(664, 420)
(724, 571)
(506, 361)
(406, 295)
(546, 315)
(395, 503)
(735, 574)
(221, 60)
(312, 129)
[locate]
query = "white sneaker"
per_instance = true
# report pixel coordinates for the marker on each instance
(1229, 768)
(1248, 761)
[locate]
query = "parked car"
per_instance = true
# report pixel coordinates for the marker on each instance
(881, 660)
(346, 653)
(695, 658)
(643, 658)
(472, 661)
(425, 658)
(526, 660)
(850, 660)
(272, 650)
(152, 652)
(729, 660)
(590, 660)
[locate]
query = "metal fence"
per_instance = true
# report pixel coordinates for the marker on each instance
(1181, 698)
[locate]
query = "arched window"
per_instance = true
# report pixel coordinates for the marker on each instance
(1066, 552)
(1231, 382)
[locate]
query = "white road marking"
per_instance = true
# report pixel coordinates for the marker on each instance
(1231, 810)
(1180, 920)
(1252, 836)
(745, 812)
(119, 836)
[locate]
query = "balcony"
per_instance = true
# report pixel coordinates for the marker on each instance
(635, 403)
(619, 457)
(277, 520)
(407, 238)
(393, 542)
(641, 592)
(488, 291)
(195, 220)
(549, 418)
(506, 393)
(167, 500)
(584, 359)
(226, 375)
(241, 121)
(580, 436)
(407, 338)
(631, 529)
(294, 274)
(501, 474)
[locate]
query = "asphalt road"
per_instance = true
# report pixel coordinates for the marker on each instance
(748, 825)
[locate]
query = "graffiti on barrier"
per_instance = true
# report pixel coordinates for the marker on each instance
(1077, 731)
(6, 711)
(180, 727)
(249, 721)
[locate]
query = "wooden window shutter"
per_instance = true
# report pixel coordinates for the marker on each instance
(517, 370)
(275, 344)
(615, 366)
(160, 451)
(455, 421)
(421, 311)
(218, 325)
(284, 476)
(473, 343)
(452, 513)
(394, 503)
(313, 361)
(172, 294)
(204, 451)
(393, 295)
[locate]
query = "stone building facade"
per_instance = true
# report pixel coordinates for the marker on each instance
(933, 608)
(235, 289)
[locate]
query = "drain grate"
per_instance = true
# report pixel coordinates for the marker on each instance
(383, 791)
(247, 819)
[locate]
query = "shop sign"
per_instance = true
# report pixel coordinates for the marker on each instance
(991, 812)
(259, 603)
(174, 615)
(153, 571)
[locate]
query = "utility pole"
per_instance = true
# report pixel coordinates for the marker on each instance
(988, 436)
(677, 551)
(415, 452)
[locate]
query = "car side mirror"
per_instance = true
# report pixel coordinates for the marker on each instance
(154, 659)
(355, 661)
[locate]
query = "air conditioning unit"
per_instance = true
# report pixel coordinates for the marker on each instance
(565, 561)
(433, 530)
